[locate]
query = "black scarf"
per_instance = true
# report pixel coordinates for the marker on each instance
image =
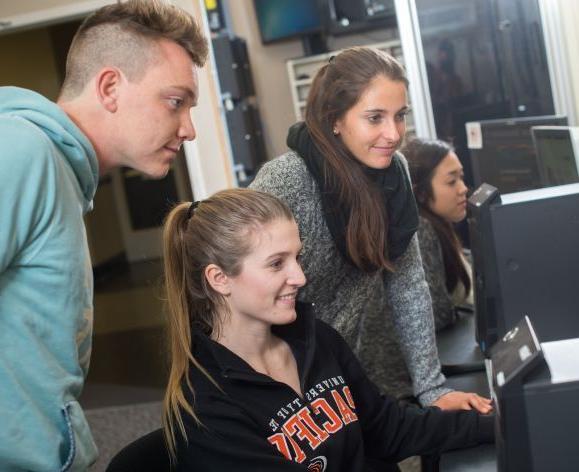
(394, 186)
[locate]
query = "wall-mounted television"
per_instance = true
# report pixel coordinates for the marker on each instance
(286, 19)
(355, 16)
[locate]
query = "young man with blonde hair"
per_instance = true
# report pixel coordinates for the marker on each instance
(130, 83)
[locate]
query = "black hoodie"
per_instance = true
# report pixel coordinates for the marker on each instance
(341, 424)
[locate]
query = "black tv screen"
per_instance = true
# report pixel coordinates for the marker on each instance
(285, 19)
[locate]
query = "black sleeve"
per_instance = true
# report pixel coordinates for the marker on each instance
(393, 431)
(229, 440)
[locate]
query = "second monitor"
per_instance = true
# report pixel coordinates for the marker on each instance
(502, 152)
(557, 150)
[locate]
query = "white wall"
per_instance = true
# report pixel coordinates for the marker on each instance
(569, 11)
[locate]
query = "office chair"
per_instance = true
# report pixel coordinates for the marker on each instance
(146, 454)
(149, 454)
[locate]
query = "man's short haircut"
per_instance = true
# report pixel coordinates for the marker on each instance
(124, 35)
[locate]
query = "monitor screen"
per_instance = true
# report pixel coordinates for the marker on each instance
(285, 19)
(502, 152)
(557, 153)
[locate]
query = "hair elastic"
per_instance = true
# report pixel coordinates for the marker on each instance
(192, 208)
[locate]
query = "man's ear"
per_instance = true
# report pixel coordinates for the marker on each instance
(218, 280)
(108, 82)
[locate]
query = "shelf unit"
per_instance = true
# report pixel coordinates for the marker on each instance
(301, 73)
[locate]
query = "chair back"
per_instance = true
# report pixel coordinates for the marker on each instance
(147, 454)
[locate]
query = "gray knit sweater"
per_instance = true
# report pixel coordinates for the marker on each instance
(443, 302)
(386, 319)
(433, 263)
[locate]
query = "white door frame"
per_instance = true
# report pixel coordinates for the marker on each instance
(557, 59)
(415, 65)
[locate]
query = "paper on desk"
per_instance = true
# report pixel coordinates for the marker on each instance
(563, 359)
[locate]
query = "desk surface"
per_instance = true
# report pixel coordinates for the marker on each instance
(473, 382)
(457, 344)
(475, 459)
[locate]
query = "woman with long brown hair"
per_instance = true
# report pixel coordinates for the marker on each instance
(349, 191)
(256, 382)
(440, 191)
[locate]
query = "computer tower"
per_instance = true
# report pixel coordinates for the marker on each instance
(241, 115)
(233, 69)
(526, 261)
(259, 150)
(535, 387)
(246, 138)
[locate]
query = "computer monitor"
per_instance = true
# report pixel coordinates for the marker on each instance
(357, 16)
(557, 149)
(525, 261)
(286, 19)
(535, 386)
(485, 283)
(502, 152)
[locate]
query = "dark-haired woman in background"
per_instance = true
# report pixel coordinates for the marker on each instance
(350, 194)
(438, 182)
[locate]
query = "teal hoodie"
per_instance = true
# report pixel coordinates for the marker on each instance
(48, 177)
